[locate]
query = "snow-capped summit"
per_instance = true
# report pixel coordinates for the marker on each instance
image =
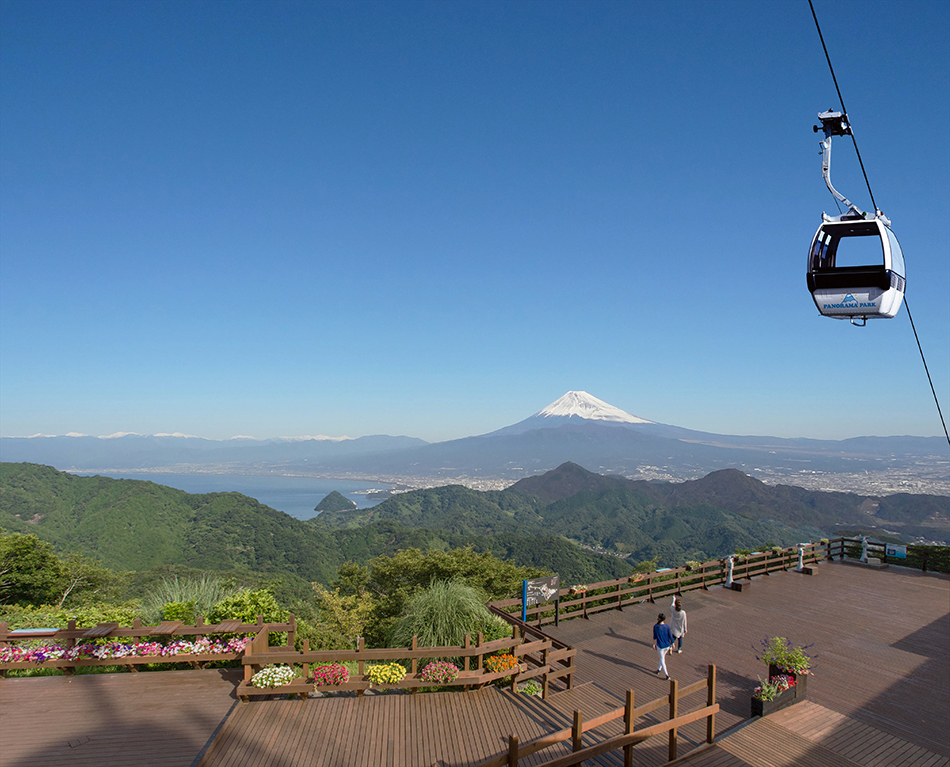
(576, 408)
(584, 405)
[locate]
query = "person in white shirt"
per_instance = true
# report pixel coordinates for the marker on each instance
(678, 624)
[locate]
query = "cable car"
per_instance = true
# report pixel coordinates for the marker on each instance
(855, 264)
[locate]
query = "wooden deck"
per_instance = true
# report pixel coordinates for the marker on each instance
(809, 734)
(161, 719)
(882, 637)
(451, 728)
(880, 694)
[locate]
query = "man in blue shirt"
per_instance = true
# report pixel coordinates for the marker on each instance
(662, 642)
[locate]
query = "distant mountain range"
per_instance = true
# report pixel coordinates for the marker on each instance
(577, 427)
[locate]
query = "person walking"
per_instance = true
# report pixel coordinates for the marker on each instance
(678, 624)
(662, 642)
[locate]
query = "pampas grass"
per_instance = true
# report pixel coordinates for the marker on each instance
(442, 614)
(194, 595)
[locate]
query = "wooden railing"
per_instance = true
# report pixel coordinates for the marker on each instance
(70, 636)
(649, 587)
(925, 558)
(538, 657)
(630, 737)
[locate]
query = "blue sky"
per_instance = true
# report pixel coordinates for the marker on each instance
(434, 218)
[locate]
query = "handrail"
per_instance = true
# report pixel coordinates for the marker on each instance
(648, 587)
(632, 739)
(629, 713)
(925, 558)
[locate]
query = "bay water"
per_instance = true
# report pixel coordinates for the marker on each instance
(296, 496)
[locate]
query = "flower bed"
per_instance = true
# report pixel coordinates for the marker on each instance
(440, 672)
(386, 673)
(332, 674)
(273, 676)
(119, 650)
(504, 662)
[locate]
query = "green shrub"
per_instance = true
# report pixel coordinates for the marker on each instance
(51, 616)
(442, 614)
(180, 611)
(201, 592)
(246, 605)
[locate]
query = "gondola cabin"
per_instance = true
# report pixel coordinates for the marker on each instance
(856, 270)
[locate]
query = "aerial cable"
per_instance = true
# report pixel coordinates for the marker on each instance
(844, 109)
(936, 401)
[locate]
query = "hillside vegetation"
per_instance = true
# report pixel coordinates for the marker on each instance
(701, 519)
(570, 503)
(132, 525)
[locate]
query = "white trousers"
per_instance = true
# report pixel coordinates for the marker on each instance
(662, 651)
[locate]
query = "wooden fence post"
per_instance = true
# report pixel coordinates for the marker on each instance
(673, 709)
(628, 729)
(467, 658)
(577, 731)
(619, 597)
(359, 663)
(547, 672)
(512, 751)
(415, 661)
(710, 700)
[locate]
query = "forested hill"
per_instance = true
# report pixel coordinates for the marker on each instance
(603, 517)
(138, 525)
(707, 518)
(904, 514)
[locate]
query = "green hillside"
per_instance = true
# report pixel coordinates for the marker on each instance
(453, 507)
(136, 525)
(132, 525)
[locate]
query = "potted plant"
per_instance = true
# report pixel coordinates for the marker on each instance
(773, 695)
(785, 659)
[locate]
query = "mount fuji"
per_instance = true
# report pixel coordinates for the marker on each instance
(573, 407)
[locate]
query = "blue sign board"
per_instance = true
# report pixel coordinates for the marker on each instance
(898, 552)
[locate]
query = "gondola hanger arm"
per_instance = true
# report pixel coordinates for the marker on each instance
(834, 124)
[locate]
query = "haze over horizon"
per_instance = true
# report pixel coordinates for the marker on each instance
(430, 219)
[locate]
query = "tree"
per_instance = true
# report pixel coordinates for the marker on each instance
(84, 578)
(30, 572)
(345, 615)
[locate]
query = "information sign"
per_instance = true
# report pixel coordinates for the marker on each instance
(898, 552)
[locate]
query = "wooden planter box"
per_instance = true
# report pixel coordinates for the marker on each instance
(408, 682)
(766, 707)
(801, 681)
